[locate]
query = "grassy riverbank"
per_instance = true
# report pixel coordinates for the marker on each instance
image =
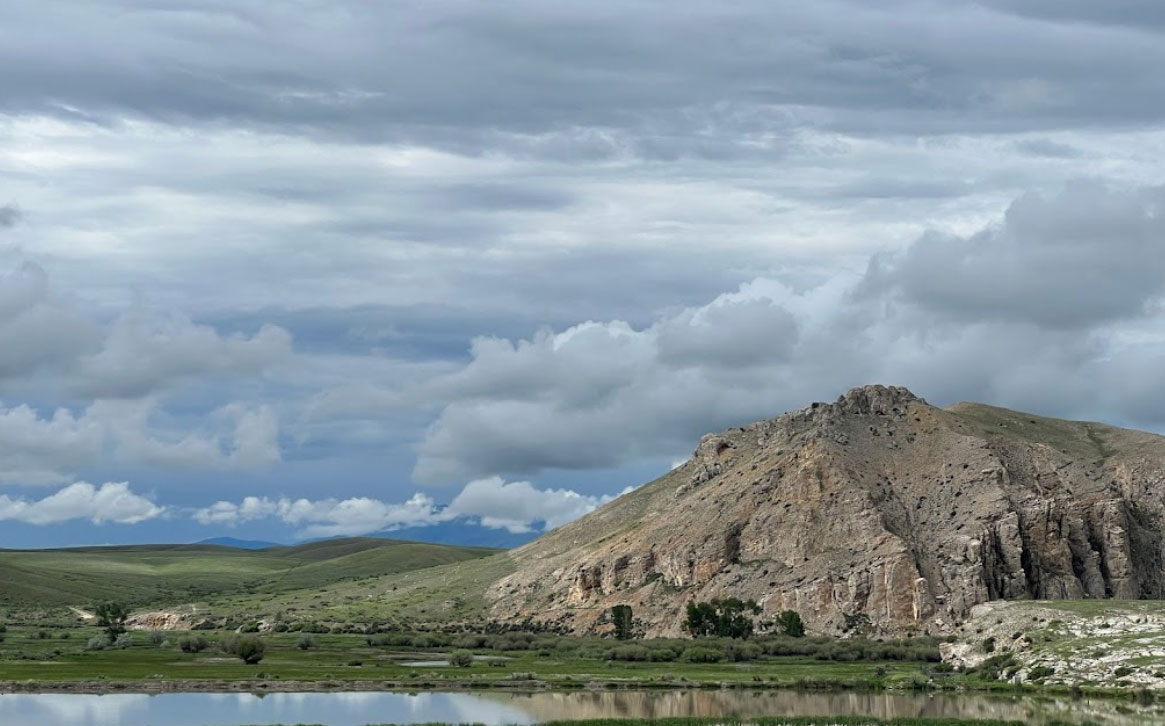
(39, 659)
(62, 656)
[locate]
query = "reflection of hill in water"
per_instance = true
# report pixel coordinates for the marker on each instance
(654, 704)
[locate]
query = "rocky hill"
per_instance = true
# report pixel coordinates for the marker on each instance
(878, 513)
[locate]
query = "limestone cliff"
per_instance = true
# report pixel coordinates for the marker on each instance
(878, 512)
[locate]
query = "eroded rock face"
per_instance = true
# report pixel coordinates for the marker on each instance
(163, 620)
(875, 513)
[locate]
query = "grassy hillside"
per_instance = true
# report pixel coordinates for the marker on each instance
(448, 592)
(169, 574)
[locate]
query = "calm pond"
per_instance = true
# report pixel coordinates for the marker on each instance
(359, 709)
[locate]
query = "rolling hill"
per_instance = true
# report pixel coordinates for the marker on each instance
(146, 575)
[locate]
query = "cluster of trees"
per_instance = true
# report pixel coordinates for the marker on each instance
(723, 617)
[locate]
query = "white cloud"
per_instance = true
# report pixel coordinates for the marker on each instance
(1005, 315)
(231, 514)
(325, 517)
(35, 450)
(38, 329)
(47, 335)
(598, 394)
(516, 506)
(237, 437)
(145, 353)
(111, 502)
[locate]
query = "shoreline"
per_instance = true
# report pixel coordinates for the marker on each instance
(262, 686)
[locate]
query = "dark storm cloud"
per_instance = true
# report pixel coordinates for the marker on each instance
(656, 80)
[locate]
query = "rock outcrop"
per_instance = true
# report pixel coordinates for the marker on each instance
(876, 513)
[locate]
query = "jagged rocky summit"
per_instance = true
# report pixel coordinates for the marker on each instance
(877, 513)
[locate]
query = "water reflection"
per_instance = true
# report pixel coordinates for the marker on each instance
(358, 709)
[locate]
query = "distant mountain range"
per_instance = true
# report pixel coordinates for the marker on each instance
(462, 532)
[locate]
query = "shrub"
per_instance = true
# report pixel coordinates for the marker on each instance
(123, 641)
(703, 654)
(989, 645)
(248, 648)
(745, 651)
(461, 658)
(195, 644)
(306, 642)
(629, 653)
(995, 666)
(98, 642)
(157, 637)
(1040, 672)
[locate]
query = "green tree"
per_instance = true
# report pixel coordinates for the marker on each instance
(623, 618)
(725, 617)
(249, 649)
(112, 617)
(461, 658)
(790, 623)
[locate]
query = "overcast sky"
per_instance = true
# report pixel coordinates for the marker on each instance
(321, 267)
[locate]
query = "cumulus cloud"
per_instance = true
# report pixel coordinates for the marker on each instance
(143, 354)
(493, 503)
(38, 329)
(518, 506)
(1087, 256)
(37, 450)
(324, 517)
(53, 348)
(138, 354)
(110, 502)
(1022, 312)
(252, 445)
